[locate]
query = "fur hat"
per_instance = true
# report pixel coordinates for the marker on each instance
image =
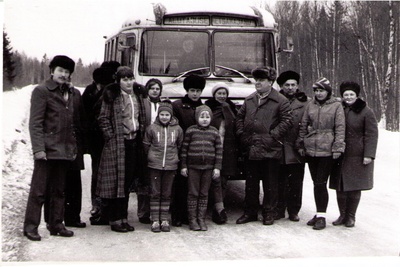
(103, 75)
(165, 106)
(264, 73)
(323, 83)
(200, 109)
(194, 81)
(111, 64)
(220, 85)
(63, 62)
(288, 75)
(348, 85)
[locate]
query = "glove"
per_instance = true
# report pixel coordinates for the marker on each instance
(336, 155)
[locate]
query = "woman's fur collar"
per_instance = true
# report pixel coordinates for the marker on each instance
(357, 106)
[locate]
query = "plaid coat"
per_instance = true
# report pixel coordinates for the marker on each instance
(111, 176)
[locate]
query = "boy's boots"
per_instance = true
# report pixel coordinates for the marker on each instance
(192, 214)
(201, 215)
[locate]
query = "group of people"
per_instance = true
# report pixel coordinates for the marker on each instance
(178, 156)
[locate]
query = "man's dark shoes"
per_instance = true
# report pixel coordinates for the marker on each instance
(76, 224)
(294, 217)
(312, 221)
(119, 228)
(268, 220)
(62, 232)
(219, 218)
(145, 220)
(246, 218)
(33, 236)
(320, 223)
(128, 227)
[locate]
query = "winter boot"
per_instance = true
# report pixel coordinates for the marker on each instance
(341, 198)
(352, 204)
(201, 214)
(192, 214)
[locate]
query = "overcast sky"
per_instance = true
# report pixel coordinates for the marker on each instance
(71, 27)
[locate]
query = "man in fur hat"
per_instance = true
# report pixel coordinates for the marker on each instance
(261, 124)
(292, 164)
(184, 111)
(54, 133)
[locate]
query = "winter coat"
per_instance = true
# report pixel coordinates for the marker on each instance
(51, 123)
(297, 106)
(81, 131)
(322, 128)
(184, 110)
(262, 127)
(111, 175)
(162, 144)
(227, 112)
(201, 148)
(361, 138)
(92, 99)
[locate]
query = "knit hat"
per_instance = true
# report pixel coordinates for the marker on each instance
(220, 85)
(152, 82)
(165, 106)
(124, 71)
(194, 81)
(348, 85)
(200, 109)
(63, 62)
(323, 83)
(264, 73)
(288, 75)
(103, 75)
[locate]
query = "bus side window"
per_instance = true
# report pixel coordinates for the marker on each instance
(128, 54)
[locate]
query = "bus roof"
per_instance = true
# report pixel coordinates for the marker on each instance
(147, 15)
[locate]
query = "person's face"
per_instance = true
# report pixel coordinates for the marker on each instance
(263, 85)
(320, 94)
(204, 119)
(221, 95)
(194, 94)
(290, 87)
(188, 46)
(349, 97)
(154, 91)
(126, 83)
(164, 117)
(61, 75)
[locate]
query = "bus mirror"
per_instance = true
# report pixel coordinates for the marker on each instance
(289, 45)
(122, 47)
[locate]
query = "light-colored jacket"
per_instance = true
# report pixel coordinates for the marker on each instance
(322, 128)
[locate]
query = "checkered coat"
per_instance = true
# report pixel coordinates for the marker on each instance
(111, 176)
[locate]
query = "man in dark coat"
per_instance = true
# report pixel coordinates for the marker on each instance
(291, 173)
(91, 98)
(184, 111)
(261, 124)
(54, 145)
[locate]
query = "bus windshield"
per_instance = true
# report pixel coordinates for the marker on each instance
(170, 53)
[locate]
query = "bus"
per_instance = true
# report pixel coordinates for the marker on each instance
(217, 41)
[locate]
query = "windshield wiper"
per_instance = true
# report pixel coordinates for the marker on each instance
(188, 71)
(235, 71)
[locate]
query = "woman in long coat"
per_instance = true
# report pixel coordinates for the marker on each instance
(224, 114)
(354, 171)
(122, 120)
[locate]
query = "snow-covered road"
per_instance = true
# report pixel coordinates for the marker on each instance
(374, 239)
